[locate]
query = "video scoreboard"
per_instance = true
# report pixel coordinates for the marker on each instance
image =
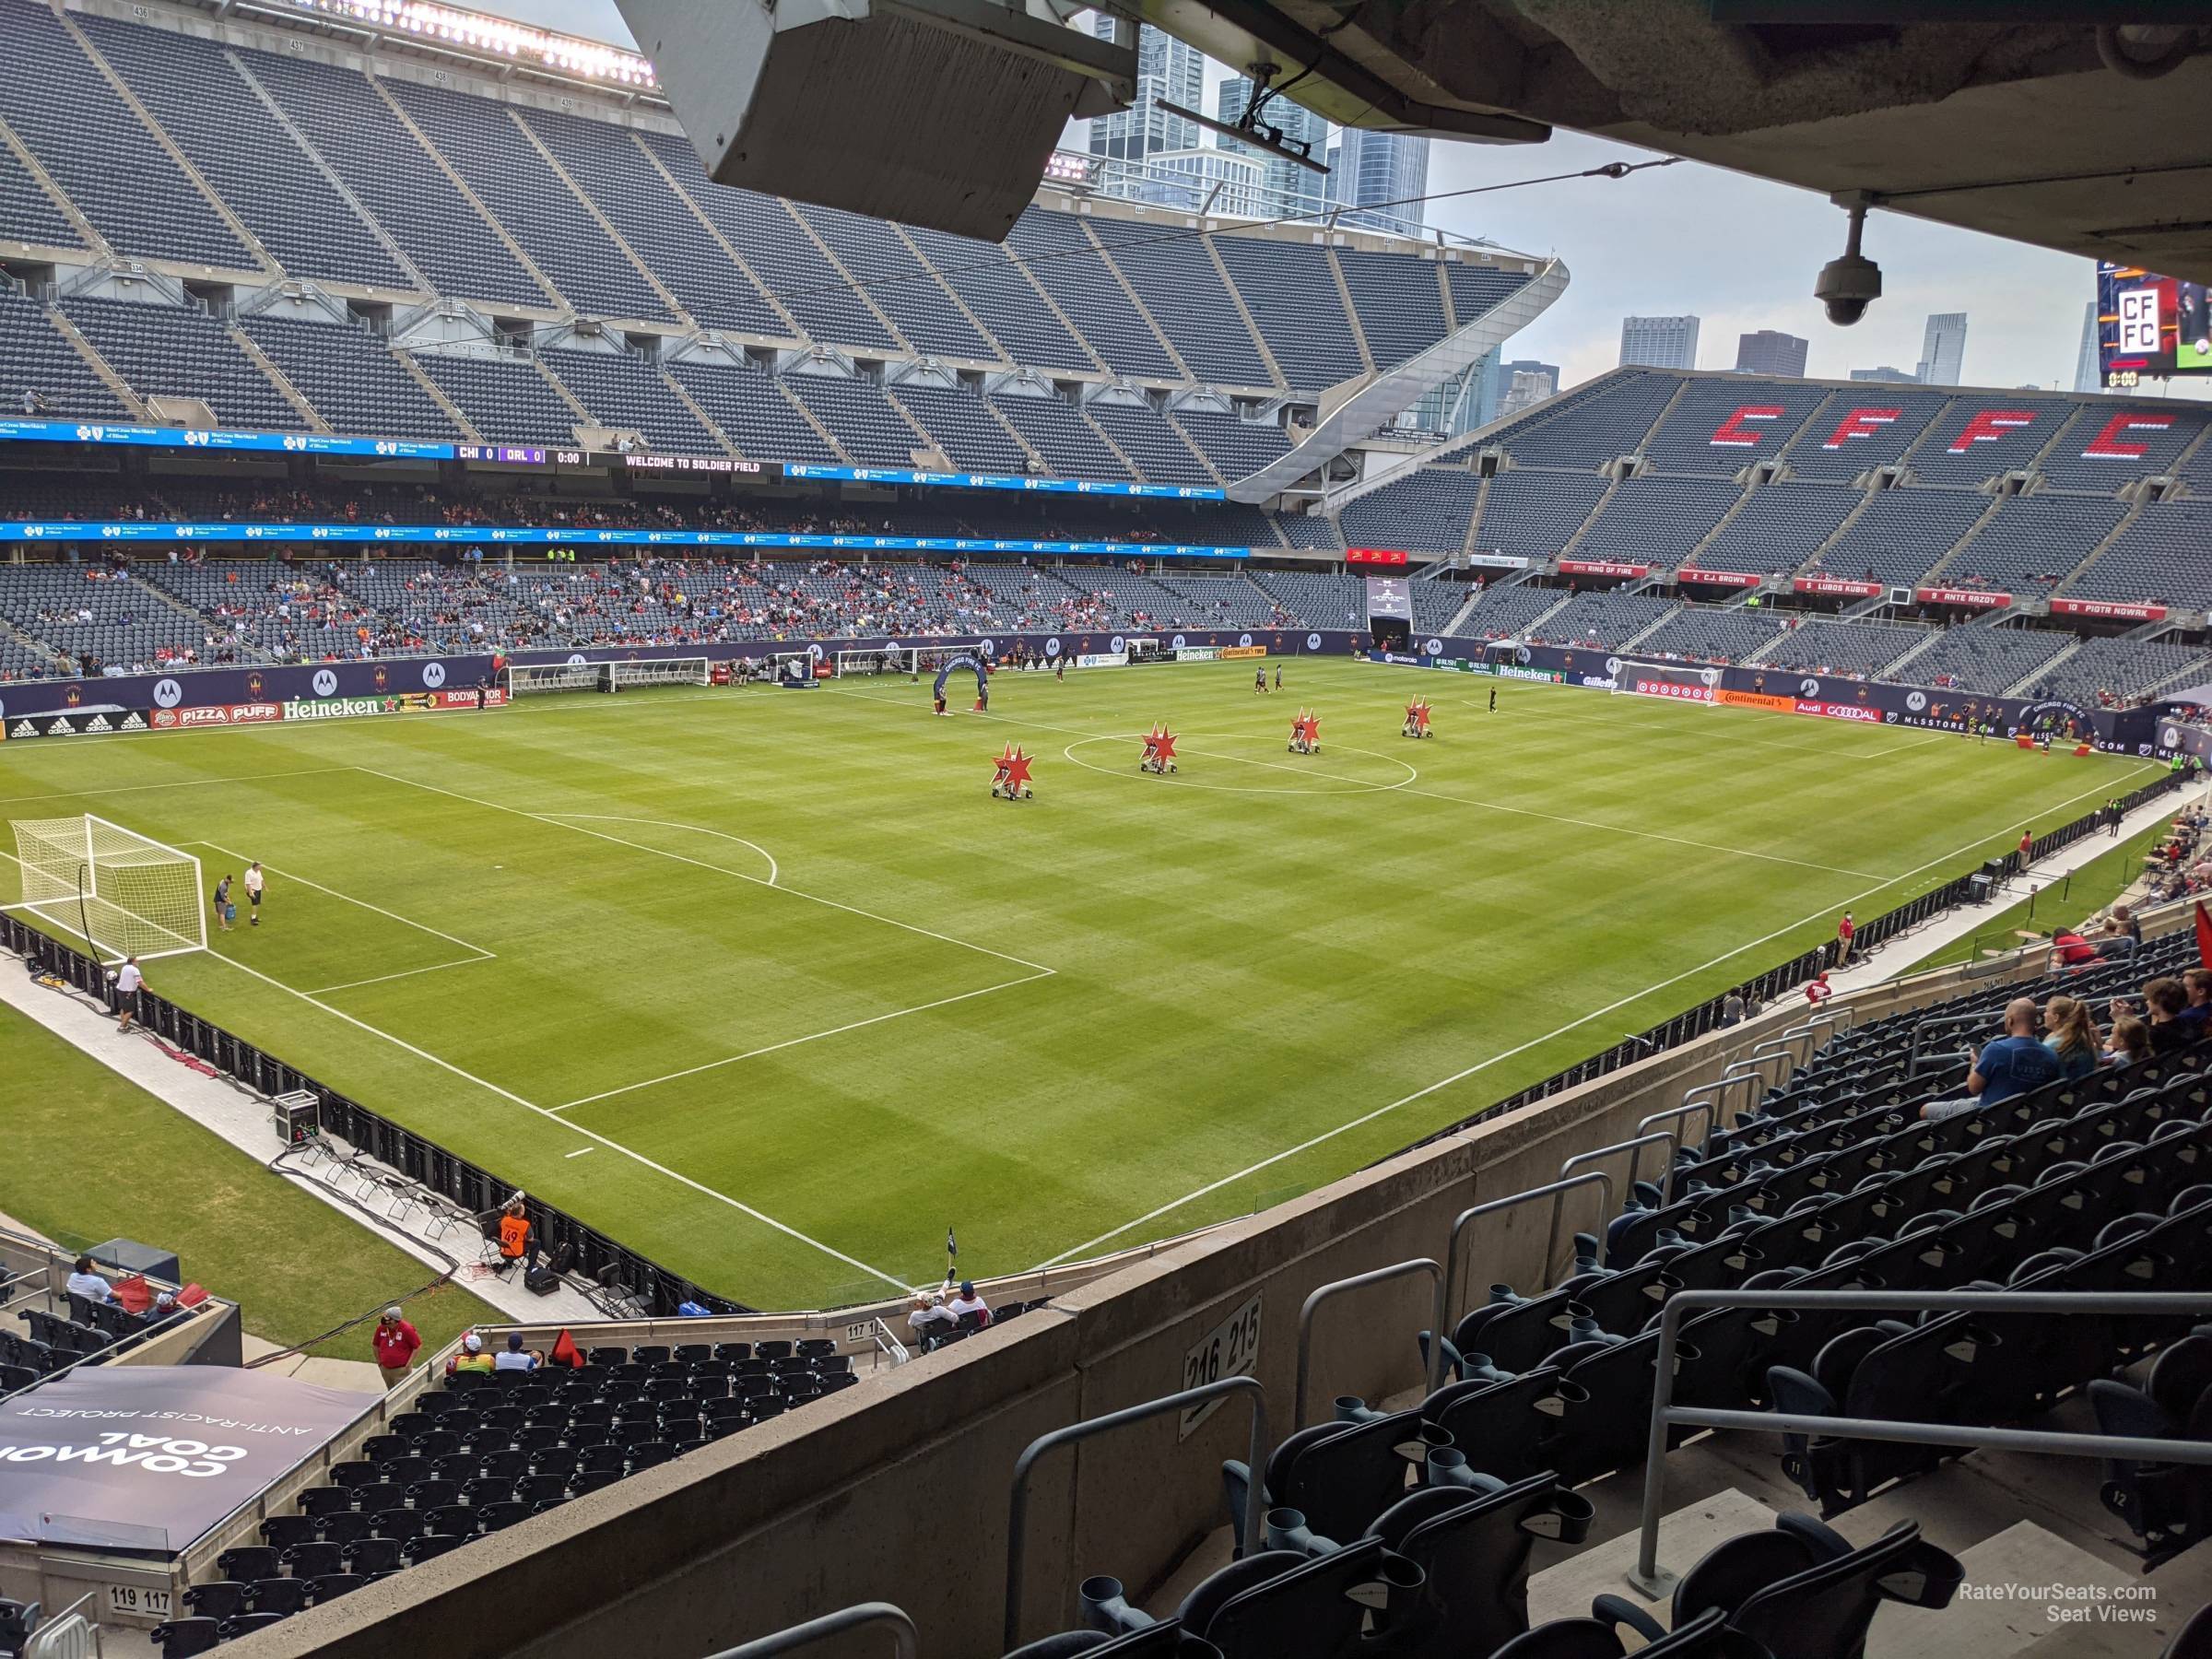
(2150, 327)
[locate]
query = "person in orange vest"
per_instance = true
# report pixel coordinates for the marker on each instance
(514, 1232)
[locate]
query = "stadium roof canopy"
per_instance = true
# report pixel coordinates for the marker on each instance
(2062, 133)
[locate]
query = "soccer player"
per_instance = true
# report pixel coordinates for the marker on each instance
(1259, 679)
(128, 983)
(223, 909)
(253, 885)
(1278, 676)
(1493, 699)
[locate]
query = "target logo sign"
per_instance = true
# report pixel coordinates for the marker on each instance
(168, 694)
(433, 675)
(324, 684)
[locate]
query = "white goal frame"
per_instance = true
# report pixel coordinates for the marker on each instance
(891, 659)
(123, 893)
(525, 678)
(1685, 682)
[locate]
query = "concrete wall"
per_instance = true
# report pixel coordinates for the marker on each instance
(899, 1490)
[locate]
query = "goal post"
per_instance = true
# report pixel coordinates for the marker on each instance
(524, 679)
(126, 893)
(1697, 683)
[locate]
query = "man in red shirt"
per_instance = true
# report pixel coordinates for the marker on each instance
(1818, 990)
(1846, 930)
(2026, 844)
(396, 1342)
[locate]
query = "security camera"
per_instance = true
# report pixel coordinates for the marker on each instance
(1847, 285)
(1849, 282)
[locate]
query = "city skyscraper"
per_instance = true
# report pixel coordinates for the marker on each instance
(1165, 68)
(1527, 384)
(1284, 182)
(1371, 168)
(1943, 349)
(1659, 342)
(1770, 352)
(2088, 374)
(1887, 375)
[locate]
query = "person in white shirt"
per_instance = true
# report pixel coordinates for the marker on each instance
(253, 882)
(128, 981)
(88, 1284)
(929, 1315)
(514, 1359)
(967, 1302)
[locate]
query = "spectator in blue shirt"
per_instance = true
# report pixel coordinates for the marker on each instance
(2015, 1064)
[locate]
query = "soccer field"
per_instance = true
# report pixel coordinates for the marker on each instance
(766, 986)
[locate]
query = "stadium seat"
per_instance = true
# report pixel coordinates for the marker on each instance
(182, 1638)
(282, 1596)
(315, 1559)
(1708, 1636)
(331, 1585)
(247, 1562)
(217, 1598)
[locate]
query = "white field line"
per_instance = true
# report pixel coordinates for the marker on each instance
(1481, 1065)
(1406, 788)
(402, 974)
(61, 795)
(349, 899)
(611, 817)
(559, 821)
(611, 1144)
(693, 1071)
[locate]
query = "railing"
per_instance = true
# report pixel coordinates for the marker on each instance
(1649, 1582)
(1359, 1281)
(906, 1641)
(474, 1188)
(1256, 1488)
(1557, 1191)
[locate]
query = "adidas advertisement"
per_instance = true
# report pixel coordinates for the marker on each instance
(152, 1456)
(78, 723)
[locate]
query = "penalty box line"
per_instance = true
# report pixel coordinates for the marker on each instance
(547, 1113)
(1481, 1065)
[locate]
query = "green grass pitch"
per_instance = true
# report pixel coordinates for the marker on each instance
(764, 984)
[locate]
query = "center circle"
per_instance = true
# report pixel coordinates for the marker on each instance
(1271, 773)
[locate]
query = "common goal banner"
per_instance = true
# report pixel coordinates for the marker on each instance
(150, 1457)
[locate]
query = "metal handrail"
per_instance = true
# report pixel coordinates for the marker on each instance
(1649, 1582)
(1551, 1244)
(1255, 1496)
(1683, 1110)
(1323, 1293)
(906, 1641)
(1719, 1090)
(1634, 1147)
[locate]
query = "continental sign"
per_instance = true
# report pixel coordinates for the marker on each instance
(1234, 652)
(1757, 699)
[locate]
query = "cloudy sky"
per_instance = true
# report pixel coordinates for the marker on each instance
(1737, 252)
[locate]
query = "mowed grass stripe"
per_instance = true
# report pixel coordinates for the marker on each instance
(1235, 974)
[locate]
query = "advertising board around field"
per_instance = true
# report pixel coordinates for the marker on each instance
(1836, 711)
(76, 723)
(218, 714)
(1240, 653)
(1675, 690)
(148, 1458)
(1102, 659)
(1197, 654)
(1757, 700)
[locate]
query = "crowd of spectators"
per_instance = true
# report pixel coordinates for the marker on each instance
(2181, 867)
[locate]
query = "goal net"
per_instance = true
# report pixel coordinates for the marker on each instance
(1675, 682)
(128, 895)
(894, 659)
(524, 679)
